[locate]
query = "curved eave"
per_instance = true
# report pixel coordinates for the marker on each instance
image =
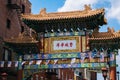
(104, 38)
(58, 18)
(87, 14)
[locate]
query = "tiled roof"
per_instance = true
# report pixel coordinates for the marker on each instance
(87, 12)
(110, 34)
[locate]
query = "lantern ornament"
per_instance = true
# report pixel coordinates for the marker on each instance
(4, 76)
(104, 73)
(118, 75)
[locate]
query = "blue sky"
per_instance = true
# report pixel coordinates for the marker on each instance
(112, 9)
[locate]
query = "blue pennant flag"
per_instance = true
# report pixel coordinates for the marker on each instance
(93, 54)
(112, 56)
(101, 57)
(83, 56)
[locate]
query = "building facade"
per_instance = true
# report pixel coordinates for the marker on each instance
(11, 26)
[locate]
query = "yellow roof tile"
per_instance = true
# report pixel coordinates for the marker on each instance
(110, 34)
(63, 15)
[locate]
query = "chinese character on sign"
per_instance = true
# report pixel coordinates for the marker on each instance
(64, 44)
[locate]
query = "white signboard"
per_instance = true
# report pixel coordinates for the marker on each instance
(64, 45)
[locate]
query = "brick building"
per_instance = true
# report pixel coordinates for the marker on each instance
(11, 25)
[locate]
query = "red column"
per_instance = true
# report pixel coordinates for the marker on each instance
(20, 75)
(112, 73)
(93, 75)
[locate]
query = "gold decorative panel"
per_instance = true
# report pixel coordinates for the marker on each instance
(65, 44)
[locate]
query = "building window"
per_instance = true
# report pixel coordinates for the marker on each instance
(7, 55)
(9, 1)
(8, 23)
(22, 29)
(23, 9)
(29, 10)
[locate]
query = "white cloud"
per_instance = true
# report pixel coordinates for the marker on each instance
(114, 11)
(112, 6)
(71, 5)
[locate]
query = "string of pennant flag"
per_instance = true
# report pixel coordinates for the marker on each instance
(62, 58)
(9, 63)
(82, 56)
(73, 65)
(57, 63)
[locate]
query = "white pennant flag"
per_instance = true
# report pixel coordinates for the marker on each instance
(38, 62)
(31, 62)
(23, 62)
(73, 60)
(55, 61)
(16, 63)
(2, 63)
(9, 63)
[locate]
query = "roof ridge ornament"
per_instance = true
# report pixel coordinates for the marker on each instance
(119, 31)
(43, 12)
(87, 7)
(111, 30)
(96, 30)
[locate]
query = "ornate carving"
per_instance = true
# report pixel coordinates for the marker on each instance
(43, 12)
(87, 7)
(96, 30)
(110, 30)
(24, 37)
